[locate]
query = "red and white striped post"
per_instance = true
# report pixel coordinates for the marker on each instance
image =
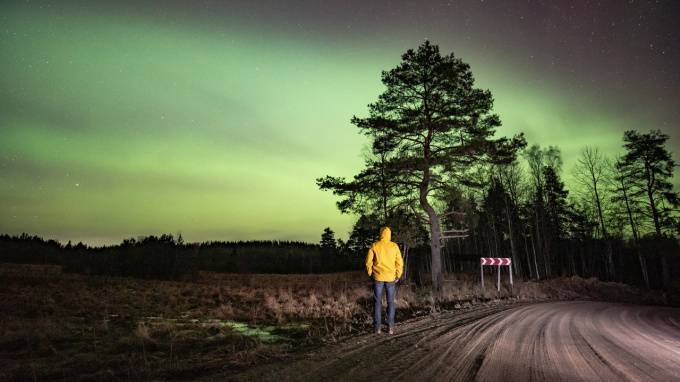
(497, 261)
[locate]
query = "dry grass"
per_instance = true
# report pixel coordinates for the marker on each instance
(59, 326)
(56, 326)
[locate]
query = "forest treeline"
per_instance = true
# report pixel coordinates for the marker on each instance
(618, 222)
(169, 257)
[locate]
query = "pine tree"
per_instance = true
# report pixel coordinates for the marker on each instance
(435, 126)
(647, 153)
(623, 185)
(328, 243)
(537, 210)
(649, 167)
(364, 233)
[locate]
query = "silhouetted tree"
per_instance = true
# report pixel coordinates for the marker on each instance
(646, 152)
(436, 125)
(538, 160)
(590, 172)
(328, 243)
(511, 178)
(623, 190)
(364, 232)
(556, 208)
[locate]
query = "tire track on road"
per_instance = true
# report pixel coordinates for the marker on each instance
(558, 341)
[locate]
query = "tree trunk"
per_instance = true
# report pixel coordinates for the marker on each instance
(665, 275)
(584, 267)
(513, 250)
(435, 240)
(611, 273)
(633, 228)
(404, 257)
(528, 256)
(652, 203)
(655, 213)
(384, 187)
(494, 237)
(599, 208)
(533, 248)
(541, 241)
(435, 249)
(643, 266)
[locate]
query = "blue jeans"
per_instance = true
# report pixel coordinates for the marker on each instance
(390, 289)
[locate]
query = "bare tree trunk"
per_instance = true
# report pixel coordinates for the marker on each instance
(643, 266)
(584, 267)
(445, 259)
(629, 211)
(405, 258)
(533, 248)
(599, 209)
(475, 246)
(384, 186)
(611, 273)
(528, 256)
(542, 243)
(435, 234)
(572, 260)
(489, 252)
(494, 236)
(513, 250)
(652, 203)
(665, 274)
(633, 228)
(546, 257)
(435, 249)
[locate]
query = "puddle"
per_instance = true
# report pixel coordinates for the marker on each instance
(264, 334)
(268, 333)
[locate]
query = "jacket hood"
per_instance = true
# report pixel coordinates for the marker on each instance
(385, 234)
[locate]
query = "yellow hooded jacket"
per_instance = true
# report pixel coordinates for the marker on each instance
(383, 261)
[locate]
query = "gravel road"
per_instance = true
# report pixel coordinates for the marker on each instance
(568, 341)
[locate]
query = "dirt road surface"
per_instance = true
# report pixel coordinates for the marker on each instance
(567, 341)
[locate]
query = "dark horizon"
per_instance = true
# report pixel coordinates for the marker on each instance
(139, 238)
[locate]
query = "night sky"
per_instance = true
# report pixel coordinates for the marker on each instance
(137, 118)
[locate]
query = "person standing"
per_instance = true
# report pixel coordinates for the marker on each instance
(384, 266)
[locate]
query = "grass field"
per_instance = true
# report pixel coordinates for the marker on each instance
(56, 326)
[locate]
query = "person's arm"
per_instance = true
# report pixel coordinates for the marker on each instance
(369, 262)
(399, 263)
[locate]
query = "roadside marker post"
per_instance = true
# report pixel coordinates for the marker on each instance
(497, 261)
(498, 280)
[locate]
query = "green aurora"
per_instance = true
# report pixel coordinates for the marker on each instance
(113, 127)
